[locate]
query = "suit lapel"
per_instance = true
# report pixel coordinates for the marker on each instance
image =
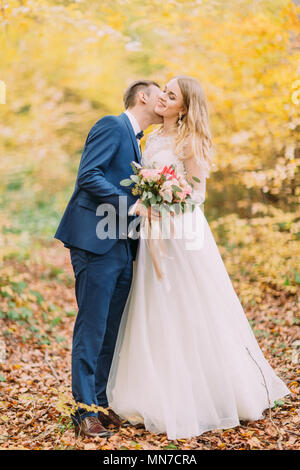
(132, 136)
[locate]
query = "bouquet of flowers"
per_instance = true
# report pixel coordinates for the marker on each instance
(161, 187)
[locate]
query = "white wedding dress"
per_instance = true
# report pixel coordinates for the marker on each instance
(186, 360)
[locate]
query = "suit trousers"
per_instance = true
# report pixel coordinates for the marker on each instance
(102, 285)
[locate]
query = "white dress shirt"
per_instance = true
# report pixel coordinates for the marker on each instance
(135, 125)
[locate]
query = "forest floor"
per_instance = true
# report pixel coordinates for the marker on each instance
(37, 313)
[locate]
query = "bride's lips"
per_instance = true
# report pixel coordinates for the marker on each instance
(160, 105)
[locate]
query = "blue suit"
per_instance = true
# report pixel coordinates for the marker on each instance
(102, 266)
(109, 148)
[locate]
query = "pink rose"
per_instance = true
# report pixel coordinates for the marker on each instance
(182, 195)
(186, 189)
(166, 191)
(150, 174)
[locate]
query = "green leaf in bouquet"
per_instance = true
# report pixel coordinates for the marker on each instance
(134, 168)
(149, 194)
(176, 188)
(134, 178)
(168, 197)
(158, 198)
(153, 199)
(126, 182)
(196, 179)
(144, 195)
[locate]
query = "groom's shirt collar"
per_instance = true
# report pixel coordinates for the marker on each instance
(134, 123)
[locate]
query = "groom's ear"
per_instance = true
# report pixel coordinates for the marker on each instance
(143, 97)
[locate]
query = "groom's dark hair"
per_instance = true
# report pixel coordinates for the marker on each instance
(129, 97)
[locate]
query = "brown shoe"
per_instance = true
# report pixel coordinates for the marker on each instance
(91, 427)
(112, 419)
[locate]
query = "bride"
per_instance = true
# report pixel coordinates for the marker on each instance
(186, 360)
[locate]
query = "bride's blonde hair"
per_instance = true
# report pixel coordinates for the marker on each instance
(194, 125)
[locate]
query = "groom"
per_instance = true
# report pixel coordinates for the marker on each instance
(103, 264)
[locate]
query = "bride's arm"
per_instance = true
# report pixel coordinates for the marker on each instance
(193, 168)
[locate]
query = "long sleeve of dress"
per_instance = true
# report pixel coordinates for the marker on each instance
(194, 168)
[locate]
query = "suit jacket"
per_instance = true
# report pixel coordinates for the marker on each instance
(109, 149)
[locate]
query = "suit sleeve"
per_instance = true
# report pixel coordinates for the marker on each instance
(100, 147)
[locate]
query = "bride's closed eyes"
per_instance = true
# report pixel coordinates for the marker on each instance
(171, 95)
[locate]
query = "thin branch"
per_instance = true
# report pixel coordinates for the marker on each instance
(269, 402)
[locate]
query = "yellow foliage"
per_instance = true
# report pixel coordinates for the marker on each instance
(66, 405)
(66, 64)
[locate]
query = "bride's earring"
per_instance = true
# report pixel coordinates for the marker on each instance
(180, 118)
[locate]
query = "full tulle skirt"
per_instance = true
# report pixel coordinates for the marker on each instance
(186, 360)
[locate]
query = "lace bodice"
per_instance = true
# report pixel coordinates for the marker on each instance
(159, 151)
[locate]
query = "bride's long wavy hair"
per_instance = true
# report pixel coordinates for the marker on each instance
(194, 123)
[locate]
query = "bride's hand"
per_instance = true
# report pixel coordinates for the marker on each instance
(140, 209)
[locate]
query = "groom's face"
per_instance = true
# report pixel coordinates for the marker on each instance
(153, 95)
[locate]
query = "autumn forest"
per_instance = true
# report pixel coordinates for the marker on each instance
(65, 64)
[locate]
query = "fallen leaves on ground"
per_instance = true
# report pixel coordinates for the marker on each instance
(38, 309)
